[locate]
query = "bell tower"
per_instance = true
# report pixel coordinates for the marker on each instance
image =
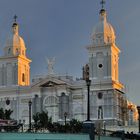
(103, 53)
(14, 64)
(108, 100)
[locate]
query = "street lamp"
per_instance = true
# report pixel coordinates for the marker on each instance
(23, 125)
(30, 104)
(65, 116)
(88, 83)
(20, 125)
(88, 125)
(104, 127)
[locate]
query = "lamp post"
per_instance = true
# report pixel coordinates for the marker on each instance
(30, 104)
(104, 127)
(88, 83)
(138, 108)
(23, 125)
(65, 116)
(20, 124)
(88, 125)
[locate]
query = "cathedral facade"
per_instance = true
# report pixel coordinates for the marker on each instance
(58, 94)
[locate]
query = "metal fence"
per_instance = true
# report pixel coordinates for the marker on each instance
(116, 135)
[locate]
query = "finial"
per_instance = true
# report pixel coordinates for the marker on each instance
(102, 11)
(102, 3)
(15, 18)
(15, 25)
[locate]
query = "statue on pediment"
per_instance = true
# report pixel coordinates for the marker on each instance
(50, 63)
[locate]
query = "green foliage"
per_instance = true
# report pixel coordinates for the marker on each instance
(2, 114)
(43, 121)
(36, 121)
(8, 114)
(5, 114)
(74, 126)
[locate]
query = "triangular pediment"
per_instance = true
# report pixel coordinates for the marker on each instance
(51, 81)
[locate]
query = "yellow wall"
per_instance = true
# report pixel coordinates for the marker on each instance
(23, 68)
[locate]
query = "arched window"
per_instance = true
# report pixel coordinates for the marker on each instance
(50, 104)
(50, 101)
(22, 52)
(23, 77)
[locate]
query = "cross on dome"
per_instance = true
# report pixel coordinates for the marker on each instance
(15, 18)
(102, 3)
(15, 25)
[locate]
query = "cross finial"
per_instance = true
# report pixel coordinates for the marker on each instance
(15, 18)
(102, 3)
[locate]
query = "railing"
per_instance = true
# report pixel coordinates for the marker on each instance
(117, 134)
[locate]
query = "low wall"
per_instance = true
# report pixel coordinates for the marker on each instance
(42, 136)
(106, 138)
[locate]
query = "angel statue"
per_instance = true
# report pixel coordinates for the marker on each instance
(50, 63)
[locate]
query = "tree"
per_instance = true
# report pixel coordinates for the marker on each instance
(5, 114)
(42, 121)
(75, 126)
(36, 121)
(8, 114)
(2, 114)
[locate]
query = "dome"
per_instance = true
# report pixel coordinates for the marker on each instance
(15, 40)
(15, 44)
(103, 32)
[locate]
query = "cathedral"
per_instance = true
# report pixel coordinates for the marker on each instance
(58, 94)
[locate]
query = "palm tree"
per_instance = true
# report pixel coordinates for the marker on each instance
(8, 114)
(5, 114)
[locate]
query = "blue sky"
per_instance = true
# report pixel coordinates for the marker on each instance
(63, 28)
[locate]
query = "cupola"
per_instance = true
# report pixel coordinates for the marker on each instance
(103, 32)
(14, 44)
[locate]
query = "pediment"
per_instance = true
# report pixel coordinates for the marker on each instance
(51, 83)
(48, 82)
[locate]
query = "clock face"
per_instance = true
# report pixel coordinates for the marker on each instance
(100, 95)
